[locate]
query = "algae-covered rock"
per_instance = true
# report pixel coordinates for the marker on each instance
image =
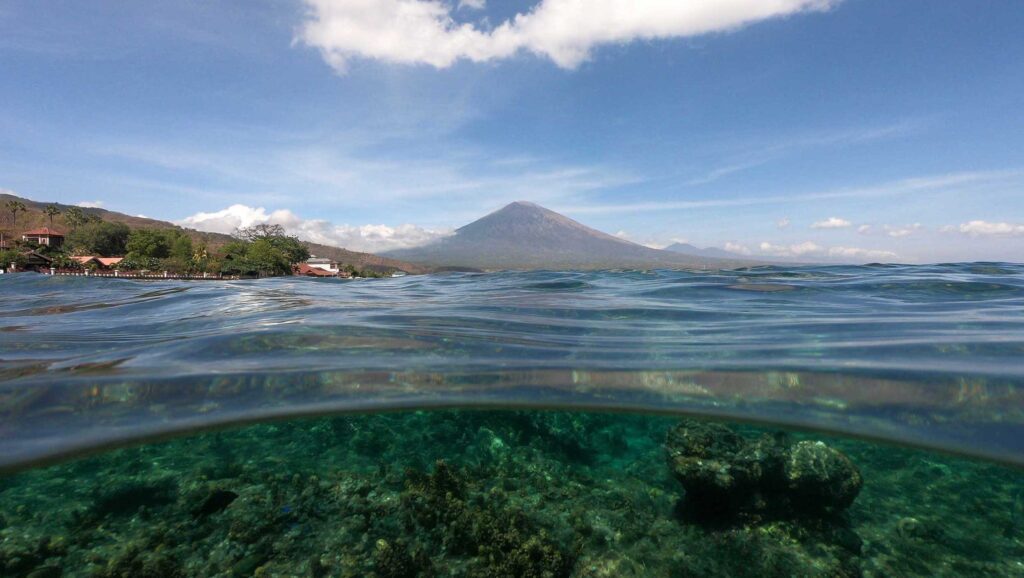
(498, 539)
(394, 561)
(820, 478)
(728, 476)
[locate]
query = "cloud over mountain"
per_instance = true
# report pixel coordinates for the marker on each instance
(368, 238)
(565, 31)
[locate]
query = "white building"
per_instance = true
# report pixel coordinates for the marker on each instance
(325, 264)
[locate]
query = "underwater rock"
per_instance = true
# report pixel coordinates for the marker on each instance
(727, 476)
(394, 561)
(821, 478)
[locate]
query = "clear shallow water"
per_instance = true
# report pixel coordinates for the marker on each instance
(505, 494)
(925, 355)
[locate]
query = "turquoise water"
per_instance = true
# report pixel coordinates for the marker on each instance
(886, 365)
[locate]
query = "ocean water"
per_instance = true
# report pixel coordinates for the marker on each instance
(813, 421)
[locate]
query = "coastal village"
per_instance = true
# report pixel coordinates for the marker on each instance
(91, 246)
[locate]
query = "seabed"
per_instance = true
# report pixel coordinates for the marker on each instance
(516, 494)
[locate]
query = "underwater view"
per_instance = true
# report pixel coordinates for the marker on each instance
(807, 421)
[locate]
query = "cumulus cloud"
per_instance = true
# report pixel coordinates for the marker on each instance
(782, 223)
(89, 204)
(565, 31)
(811, 250)
(472, 4)
(795, 250)
(987, 229)
(864, 229)
(737, 248)
(369, 238)
(832, 223)
(858, 253)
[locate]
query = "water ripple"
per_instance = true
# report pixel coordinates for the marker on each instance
(940, 347)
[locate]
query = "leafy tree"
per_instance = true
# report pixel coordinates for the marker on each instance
(257, 232)
(259, 257)
(266, 259)
(168, 249)
(148, 244)
(14, 207)
(61, 260)
(235, 260)
(102, 238)
(181, 247)
(130, 263)
(51, 211)
(294, 250)
(10, 257)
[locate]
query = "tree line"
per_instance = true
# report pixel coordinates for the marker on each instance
(261, 250)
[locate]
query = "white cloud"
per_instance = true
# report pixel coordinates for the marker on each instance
(903, 231)
(809, 249)
(858, 253)
(782, 223)
(832, 223)
(566, 31)
(89, 204)
(369, 238)
(737, 248)
(986, 229)
(795, 250)
(472, 4)
(864, 229)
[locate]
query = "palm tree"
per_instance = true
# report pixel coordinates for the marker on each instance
(51, 211)
(14, 207)
(75, 217)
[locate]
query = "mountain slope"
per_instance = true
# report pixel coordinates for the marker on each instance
(523, 235)
(34, 218)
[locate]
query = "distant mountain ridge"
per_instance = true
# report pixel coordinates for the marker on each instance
(524, 235)
(34, 218)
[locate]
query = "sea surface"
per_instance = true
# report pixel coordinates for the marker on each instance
(516, 424)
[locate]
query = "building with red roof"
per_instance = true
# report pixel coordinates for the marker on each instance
(44, 236)
(310, 271)
(100, 262)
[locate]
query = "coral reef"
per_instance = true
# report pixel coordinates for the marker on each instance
(510, 493)
(727, 477)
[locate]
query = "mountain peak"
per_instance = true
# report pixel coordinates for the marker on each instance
(525, 235)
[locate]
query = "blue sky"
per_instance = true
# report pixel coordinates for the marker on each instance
(857, 130)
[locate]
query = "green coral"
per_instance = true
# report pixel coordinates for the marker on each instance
(503, 493)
